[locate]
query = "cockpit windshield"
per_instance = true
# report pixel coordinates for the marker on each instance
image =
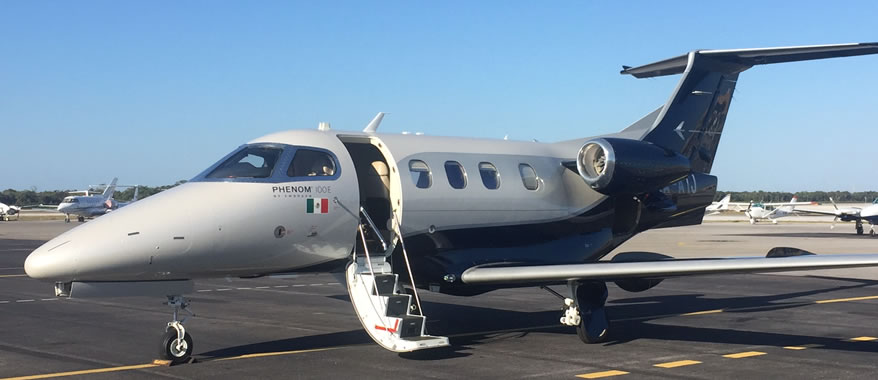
(250, 162)
(70, 200)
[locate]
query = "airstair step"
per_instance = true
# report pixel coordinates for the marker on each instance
(385, 284)
(398, 305)
(411, 326)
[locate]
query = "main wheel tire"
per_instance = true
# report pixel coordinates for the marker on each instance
(169, 351)
(859, 230)
(593, 326)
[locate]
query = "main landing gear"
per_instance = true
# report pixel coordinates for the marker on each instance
(586, 310)
(860, 227)
(176, 343)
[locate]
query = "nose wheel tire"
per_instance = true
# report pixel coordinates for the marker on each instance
(173, 349)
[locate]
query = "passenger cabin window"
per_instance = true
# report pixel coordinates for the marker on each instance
(456, 174)
(311, 163)
(529, 177)
(420, 174)
(250, 162)
(490, 175)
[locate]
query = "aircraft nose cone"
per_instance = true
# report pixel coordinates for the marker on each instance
(52, 261)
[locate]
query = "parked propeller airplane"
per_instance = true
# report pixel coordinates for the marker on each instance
(852, 214)
(769, 211)
(6, 211)
(457, 215)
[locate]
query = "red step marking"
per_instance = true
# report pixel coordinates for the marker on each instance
(390, 330)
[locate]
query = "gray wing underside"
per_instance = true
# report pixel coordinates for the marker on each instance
(609, 271)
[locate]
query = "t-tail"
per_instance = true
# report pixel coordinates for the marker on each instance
(665, 158)
(691, 122)
(111, 188)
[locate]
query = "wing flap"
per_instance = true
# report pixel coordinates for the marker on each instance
(609, 271)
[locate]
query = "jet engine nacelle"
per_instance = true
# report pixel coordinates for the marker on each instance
(624, 166)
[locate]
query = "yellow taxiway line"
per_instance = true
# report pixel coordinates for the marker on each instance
(679, 363)
(598, 375)
(83, 372)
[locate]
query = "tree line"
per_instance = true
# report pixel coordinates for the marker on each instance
(804, 196)
(54, 197)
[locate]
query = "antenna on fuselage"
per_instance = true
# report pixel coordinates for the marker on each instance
(323, 126)
(373, 125)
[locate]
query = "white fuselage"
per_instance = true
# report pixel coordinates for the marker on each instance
(86, 206)
(277, 232)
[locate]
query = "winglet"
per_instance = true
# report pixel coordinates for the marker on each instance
(373, 125)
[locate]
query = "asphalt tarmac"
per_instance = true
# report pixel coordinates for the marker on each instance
(805, 325)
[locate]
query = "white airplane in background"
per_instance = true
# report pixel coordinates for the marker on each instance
(86, 206)
(527, 214)
(852, 214)
(716, 207)
(769, 211)
(6, 211)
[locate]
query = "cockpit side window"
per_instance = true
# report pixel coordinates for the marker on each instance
(421, 175)
(250, 162)
(311, 163)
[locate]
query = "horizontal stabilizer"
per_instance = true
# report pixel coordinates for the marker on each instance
(752, 57)
(609, 271)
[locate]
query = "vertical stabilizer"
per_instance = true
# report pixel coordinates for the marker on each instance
(692, 120)
(111, 188)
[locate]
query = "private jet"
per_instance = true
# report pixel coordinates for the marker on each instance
(717, 207)
(88, 206)
(398, 213)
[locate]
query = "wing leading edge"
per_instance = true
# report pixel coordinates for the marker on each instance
(609, 271)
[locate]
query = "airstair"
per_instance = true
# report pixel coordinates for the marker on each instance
(385, 312)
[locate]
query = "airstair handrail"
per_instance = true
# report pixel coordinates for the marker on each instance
(408, 266)
(374, 228)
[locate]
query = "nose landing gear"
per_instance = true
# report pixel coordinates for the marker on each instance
(176, 343)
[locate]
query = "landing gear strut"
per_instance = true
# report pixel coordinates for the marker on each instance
(66, 218)
(859, 227)
(176, 343)
(587, 310)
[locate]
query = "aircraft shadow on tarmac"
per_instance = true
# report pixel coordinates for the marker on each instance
(828, 235)
(470, 326)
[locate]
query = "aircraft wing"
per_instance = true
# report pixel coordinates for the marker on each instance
(818, 212)
(739, 206)
(39, 206)
(610, 271)
(789, 203)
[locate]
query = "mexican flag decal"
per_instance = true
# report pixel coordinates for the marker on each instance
(317, 206)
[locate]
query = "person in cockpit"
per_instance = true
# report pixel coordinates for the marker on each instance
(322, 166)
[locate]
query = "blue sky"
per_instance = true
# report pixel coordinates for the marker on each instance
(155, 91)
